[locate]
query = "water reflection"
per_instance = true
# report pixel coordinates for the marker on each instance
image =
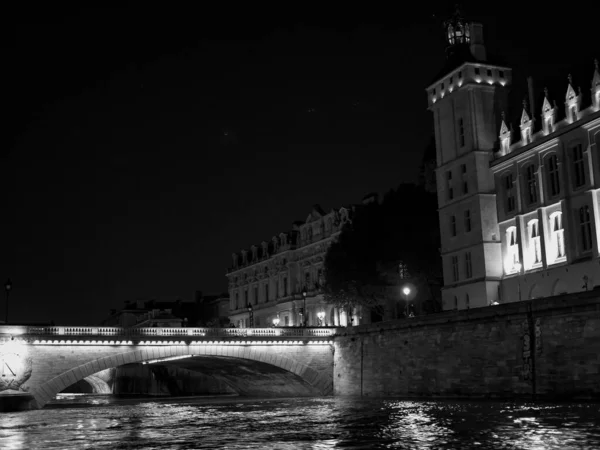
(302, 423)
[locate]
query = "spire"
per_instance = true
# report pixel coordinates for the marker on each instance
(596, 77)
(546, 106)
(570, 91)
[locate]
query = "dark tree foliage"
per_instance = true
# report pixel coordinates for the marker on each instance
(402, 229)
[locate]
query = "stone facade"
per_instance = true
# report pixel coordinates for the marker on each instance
(270, 278)
(519, 211)
(546, 348)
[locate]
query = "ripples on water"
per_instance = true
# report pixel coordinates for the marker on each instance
(301, 423)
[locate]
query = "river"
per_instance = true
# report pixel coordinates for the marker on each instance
(98, 422)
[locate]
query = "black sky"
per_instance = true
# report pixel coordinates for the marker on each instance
(143, 146)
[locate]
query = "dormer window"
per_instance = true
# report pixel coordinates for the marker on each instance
(501, 74)
(476, 70)
(489, 72)
(460, 75)
(549, 125)
(442, 88)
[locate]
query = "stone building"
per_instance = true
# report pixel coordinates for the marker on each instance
(267, 281)
(518, 209)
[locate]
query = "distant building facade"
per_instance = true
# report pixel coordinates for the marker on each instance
(519, 210)
(266, 281)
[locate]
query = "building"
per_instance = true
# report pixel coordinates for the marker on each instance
(519, 211)
(267, 281)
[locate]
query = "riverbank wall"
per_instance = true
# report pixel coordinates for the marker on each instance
(544, 349)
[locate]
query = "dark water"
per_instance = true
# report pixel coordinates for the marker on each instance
(300, 423)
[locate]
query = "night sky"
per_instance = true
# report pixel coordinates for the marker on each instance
(142, 146)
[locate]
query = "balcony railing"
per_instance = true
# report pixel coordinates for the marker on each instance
(282, 332)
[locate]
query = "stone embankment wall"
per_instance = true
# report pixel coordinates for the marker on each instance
(543, 348)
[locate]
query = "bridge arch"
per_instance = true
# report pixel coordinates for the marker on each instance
(47, 390)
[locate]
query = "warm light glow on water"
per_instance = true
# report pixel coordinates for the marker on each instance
(97, 422)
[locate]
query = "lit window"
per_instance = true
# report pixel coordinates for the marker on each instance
(467, 220)
(553, 176)
(530, 178)
(557, 237)
(585, 228)
(468, 265)
(534, 241)
(512, 250)
(453, 226)
(455, 268)
(578, 166)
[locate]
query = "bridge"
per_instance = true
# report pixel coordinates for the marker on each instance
(39, 362)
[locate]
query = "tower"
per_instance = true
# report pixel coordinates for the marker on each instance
(467, 99)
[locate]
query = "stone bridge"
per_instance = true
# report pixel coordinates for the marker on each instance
(39, 362)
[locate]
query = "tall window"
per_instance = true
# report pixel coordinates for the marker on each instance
(285, 290)
(512, 249)
(467, 220)
(578, 166)
(553, 177)
(530, 178)
(467, 301)
(574, 113)
(585, 227)
(534, 241)
(461, 132)
(455, 268)
(464, 179)
(276, 289)
(267, 292)
(455, 302)
(449, 185)
(307, 279)
(246, 298)
(452, 226)
(256, 294)
(509, 193)
(237, 300)
(468, 265)
(557, 235)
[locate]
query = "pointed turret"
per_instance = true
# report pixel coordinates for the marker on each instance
(548, 114)
(596, 86)
(505, 136)
(526, 125)
(572, 102)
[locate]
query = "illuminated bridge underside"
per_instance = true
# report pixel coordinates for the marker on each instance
(60, 358)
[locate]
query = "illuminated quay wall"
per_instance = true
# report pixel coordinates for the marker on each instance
(546, 349)
(40, 362)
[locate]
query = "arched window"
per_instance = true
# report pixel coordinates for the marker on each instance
(553, 175)
(512, 250)
(531, 181)
(535, 249)
(509, 193)
(557, 236)
(585, 226)
(467, 301)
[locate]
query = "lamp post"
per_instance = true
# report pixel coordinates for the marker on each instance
(321, 316)
(406, 292)
(7, 288)
(276, 321)
(517, 267)
(250, 315)
(304, 309)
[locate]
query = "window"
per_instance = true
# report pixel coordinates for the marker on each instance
(468, 265)
(549, 125)
(585, 228)
(530, 179)
(433, 91)
(266, 292)
(453, 226)
(403, 271)
(237, 300)
(501, 73)
(467, 220)
(557, 235)
(459, 75)
(285, 287)
(553, 177)
(307, 279)
(534, 241)
(276, 288)
(442, 88)
(455, 268)
(246, 298)
(489, 72)
(476, 70)
(464, 179)
(455, 302)
(578, 166)
(512, 249)
(467, 301)
(450, 81)
(573, 113)
(509, 194)
(255, 295)
(461, 132)
(286, 320)
(449, 185)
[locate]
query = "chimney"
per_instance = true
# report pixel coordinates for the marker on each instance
(477, 48)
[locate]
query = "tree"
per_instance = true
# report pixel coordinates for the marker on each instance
(401, 232)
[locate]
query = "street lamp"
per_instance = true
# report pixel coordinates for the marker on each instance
(304, 309)
(406, 292)
(251, 315)
(321, 316)
(276, 321)
(7, 288)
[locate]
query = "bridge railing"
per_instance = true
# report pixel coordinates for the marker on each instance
(290, 332)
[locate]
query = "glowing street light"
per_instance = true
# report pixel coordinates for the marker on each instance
(406, 291)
